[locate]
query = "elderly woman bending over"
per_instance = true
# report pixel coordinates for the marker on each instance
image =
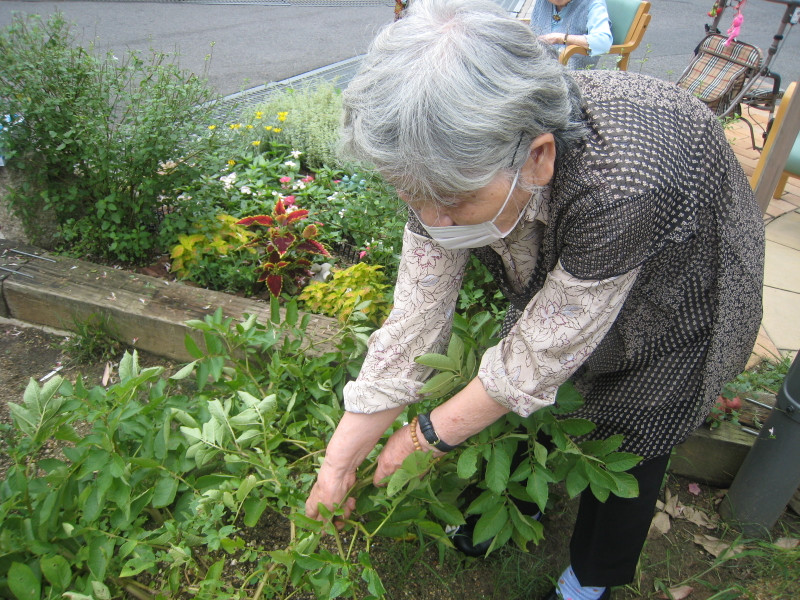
(614, 216)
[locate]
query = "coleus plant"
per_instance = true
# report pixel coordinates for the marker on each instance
(286, 245)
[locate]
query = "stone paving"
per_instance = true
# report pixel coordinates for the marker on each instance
(780, 327)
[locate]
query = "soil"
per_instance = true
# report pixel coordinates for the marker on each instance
(411, 570)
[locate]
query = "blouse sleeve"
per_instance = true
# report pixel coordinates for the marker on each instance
(428, 281)
(558, 330)
(599, 28)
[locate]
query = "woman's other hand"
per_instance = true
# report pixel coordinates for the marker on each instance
(397, 448)
(331, 490)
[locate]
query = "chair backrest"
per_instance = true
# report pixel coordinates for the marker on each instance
(623, 15)
(792, 164)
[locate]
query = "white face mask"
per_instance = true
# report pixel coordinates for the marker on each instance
(454, 237)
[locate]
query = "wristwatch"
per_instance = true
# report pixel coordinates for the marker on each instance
(565, 38)
(428, 432)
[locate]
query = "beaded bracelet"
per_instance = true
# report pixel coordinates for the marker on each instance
(412, 427)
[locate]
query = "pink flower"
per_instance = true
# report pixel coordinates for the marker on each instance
(308, 179)
(363, 253)
(337, 181)
(288, 200)
(285, 179)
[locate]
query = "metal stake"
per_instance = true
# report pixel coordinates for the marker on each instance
(17, 272)
(31, 255)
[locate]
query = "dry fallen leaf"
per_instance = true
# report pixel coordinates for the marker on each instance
(678, 593)
(661, 523)
(694, 489)
(106, 374)
(787, 543)
(716, 547)
(698, 517)
(671, 504)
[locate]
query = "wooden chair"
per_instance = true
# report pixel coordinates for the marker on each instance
(792, 166)
(629, 21)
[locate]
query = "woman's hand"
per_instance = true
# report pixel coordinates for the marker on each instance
(391, 458)
(354, 437)
(552, 38)
(330, 490)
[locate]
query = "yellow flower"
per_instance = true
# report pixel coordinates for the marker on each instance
(277, 130)
(259, 114)
(257, 143)
(235, 125)
(282, 116)
(268, 127)
(231, 162)
(249, 126)
(212, 127)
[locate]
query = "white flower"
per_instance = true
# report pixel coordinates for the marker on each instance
(291, 164)
(245, 190)
(299, 186)
(341, 212)
(295, 153)
(228, 180)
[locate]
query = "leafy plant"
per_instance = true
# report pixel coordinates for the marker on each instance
(216, 256)
(362, 212)
(310, 121)
(361, 286)
(168, 466)
(94, 339)
(487, 460)
(285, 243)
(100, 142)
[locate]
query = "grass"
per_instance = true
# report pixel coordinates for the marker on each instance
(94, 339)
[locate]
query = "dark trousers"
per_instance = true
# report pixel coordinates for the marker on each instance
(609, 536)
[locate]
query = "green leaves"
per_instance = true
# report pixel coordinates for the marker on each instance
(23, 582)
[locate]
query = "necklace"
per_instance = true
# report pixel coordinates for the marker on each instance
(556, 16)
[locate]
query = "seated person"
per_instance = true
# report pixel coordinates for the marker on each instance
(574, 22)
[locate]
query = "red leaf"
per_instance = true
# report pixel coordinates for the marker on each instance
(303, 262)
(297, 215)
(283, 242)
(259, 219)
(280, 209)
(313, 247)
(310, 231)
(275, 284)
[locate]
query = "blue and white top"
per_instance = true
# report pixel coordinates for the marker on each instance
(578, 17)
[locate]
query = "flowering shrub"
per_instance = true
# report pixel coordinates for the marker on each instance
(99, 142)
(285, 243)
(310, 121)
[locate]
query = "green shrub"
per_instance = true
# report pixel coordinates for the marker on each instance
(310, 121)
(214, 256)
(100, 142)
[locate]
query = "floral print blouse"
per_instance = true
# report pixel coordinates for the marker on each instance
(560, 327)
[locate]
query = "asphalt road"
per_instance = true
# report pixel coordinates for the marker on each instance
(257, 44)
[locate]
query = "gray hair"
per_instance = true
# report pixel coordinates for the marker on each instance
(453, 94)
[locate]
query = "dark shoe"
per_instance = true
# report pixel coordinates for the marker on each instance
(462, 537)
(553, 595)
